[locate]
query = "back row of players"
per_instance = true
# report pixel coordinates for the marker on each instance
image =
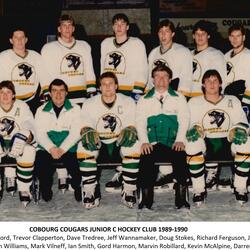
(70, 60)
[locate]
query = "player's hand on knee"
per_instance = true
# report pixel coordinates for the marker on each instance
(146, 148)
(90, 139)
(194, 133)
(238, 136)
(178, 146)
(127, 137)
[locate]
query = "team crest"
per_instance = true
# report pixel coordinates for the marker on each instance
(115, 62)
(197, 72)
(109, 126)
(72, 64)
(230, 73)
(8, 127)
(216, 121)
(23, 74)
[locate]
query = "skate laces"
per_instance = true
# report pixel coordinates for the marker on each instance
(10, 181)
(116, 177)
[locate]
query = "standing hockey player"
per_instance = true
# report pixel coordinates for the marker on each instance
(126, 57)
(57, 125)
(179, 60)
(16, 136)
(238, 69)
(70, 60)
(24, 68)
(162, 120)
(218, 126)
(205, 57)
(110, 127)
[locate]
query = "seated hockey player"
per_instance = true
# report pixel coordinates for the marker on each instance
(108, 123)
(58, 125)
(16, 136)
(162, 119)
(218, 126)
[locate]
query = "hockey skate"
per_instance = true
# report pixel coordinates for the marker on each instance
(25, 198)
(114, 186)
(35, 190)
(128, 198)
(89, 199)
(181, 196)
(211, 179)
(199, 198)
(146, 197)
(11, 185)
(62, 184)
(164, 183)
(241, 197)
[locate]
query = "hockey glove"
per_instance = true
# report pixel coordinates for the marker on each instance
(194, 133)
(238, 136)
(91, 94)
(18, 142)
(127, 137)
(90, 139)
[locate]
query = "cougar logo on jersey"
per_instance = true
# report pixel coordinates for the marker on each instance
(196, 71)
(216, 121)
(115, 62)
(230, 72)
(72, 64)
(8, 127)
(23, 74)
(160, 62)
(109, 126)
(25, 70)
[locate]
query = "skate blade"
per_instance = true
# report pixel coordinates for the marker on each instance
(25, 203)
(128, 204)
(165, 188)
(92, 205)
(199, 203)
(113, 190)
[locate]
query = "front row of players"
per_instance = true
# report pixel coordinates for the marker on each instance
(163, 127)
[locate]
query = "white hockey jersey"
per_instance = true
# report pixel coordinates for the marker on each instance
(216, 119)
(19, 117)
(179, 59)
(209, 58)
(128, 62)
(73, 65)
(238, 68)
(108, 121)
(26, 73)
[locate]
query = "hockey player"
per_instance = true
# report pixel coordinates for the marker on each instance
(126, 57)
(179, 60)
(238, 69)
(177, 57)
(162, 119)
(110, 127)
(16, 136)
(57, 124)
(205, 57)
(218, 127)
(70, 60)
(24, 68)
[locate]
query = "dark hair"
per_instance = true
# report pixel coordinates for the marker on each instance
(65, 17)
(9, 85)
(166, 23)
(120, 16)
(108, 74)
(162, 67)
(237, 26)
(207, 74)
(17, 27)
(58, 82)
(203, 25)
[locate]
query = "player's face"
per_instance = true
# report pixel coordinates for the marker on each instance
(108, 87)
(66, 30)
(120, 28)
(6, 96)
(165, 36)
(201, 38)
(212, 85)
(161, 81)
(236, 39)
(58, 95)
(18, 40)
